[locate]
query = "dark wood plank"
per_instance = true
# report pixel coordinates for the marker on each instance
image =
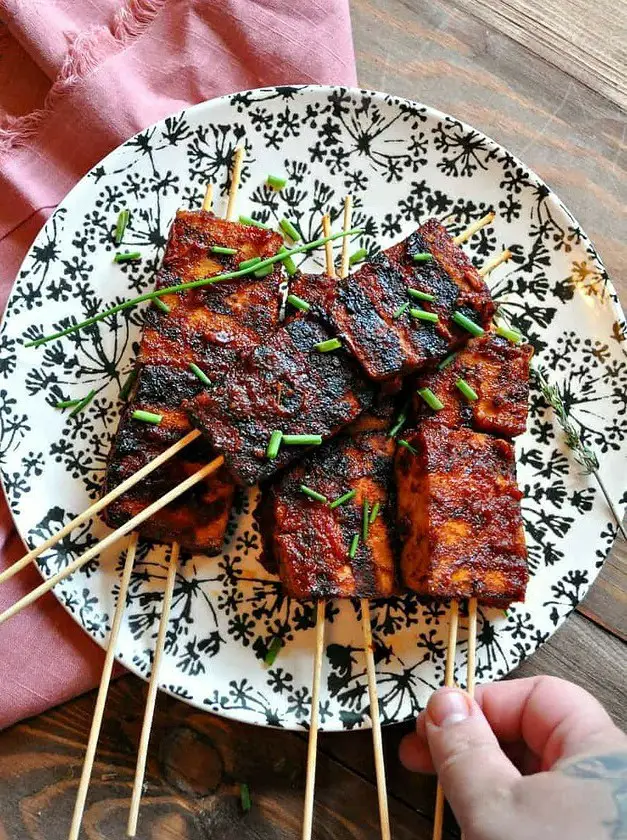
(606, 602)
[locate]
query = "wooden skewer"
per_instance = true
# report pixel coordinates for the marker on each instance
(472, 646)
(312, 746)
(236, 173)
(449, 681)
(99, 505)
(474, 227)
(328, 246)
(113, 537)
(486, 268)
(207, 202)
(144, 740)
(346, 223)
(96, 723)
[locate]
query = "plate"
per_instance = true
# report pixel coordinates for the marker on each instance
(402, 162)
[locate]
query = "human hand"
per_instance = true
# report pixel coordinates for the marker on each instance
(529, 759)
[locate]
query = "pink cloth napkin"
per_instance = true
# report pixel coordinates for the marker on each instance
(77, 77)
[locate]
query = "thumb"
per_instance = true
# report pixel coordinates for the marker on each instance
(475, 774)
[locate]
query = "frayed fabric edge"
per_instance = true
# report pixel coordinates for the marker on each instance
(85, 54)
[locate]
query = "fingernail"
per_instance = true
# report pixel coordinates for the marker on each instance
(448, 706)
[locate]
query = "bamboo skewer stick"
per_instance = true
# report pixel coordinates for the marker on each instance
(486, 268)
(92, 510)
(328, 246)
(236, 174)
(153, 686)
(346, 223)
(207, 202)
(96, 723)
(474, 228)
(449, 681)
(312, 746)
(472, 646)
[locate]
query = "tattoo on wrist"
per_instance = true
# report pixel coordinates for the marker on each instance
(610, 768)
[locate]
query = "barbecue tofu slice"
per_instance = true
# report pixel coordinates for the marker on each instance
(285, 385)
(311, 543)
(210, 327)
(388, 341)
(459, 516)
(497, 371)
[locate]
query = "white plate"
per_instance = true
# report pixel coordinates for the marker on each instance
(402, 162)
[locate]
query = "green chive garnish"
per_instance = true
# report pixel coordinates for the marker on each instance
(248, 220)
(200, 374)
(263, 272)
(328, 345)
(406, 445)
(422, 258)
(147, 416)
(358, 256)
(298, 303)
(352, 551)
(244, 792)
(67, 403)
(273, 446)
(127, 256)
(466, 390)
(422, 315)
(416, 293)
(81, 405)
(125, 390)
(220, 249)
(506, 613)
(430, 398)
(162, 305)
(184, 287)
(288, 262)
(375, 512)
(249, 263)
(447, 361)
(275, 182)
(511, 335)
(341, 500)
(401, 309)
(289, 230)
(302, 440)
(467, 324)
(366, 520)
(123, 220)
(313, 494)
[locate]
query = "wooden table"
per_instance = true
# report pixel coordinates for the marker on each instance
(552, 92)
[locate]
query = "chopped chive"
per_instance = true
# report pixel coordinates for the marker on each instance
(313, 494)
(401, 309)
(511, 335)
(366, 520)
(248, 263)
(263, 272)
(341, 500)
(352, 551)
(422, 257)
(302, 440)
(81, 405)
(416, 293)
(127, 256)
(466, 390)
(289, 230)
(248, 220)
(430, 398)
(200, 374)
(147, 416)
(162, 305)
(125, 390)
(406, 445)
(221, 249)
(273, 445)
(328, 345)
(244, 792)
(288, 262)
(423, 315)
(506, 613)
(273, 651)
(298, 303)
(400, 421)
(447, 361)
(122, 223)
(67, 403)
(375, 512)
(276, 182)
(462, 321)
(358, 256)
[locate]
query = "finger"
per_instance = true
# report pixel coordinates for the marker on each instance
(475, 774)
(414, 750)
(553, 717)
